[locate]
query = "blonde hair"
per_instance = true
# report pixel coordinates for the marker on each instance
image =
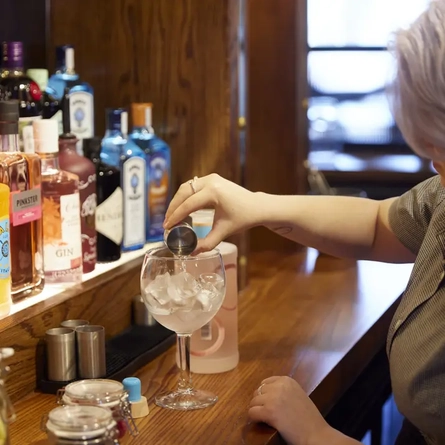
(417, 93)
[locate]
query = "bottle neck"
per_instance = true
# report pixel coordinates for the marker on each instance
(113, 132)
(67, 144)
(9, 142)
(50, 162)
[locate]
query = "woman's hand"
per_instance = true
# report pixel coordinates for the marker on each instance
(281, 403)
(235, 207)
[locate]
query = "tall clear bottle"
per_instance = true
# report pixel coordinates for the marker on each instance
(123, 153)
(158, 159)
(109, 217)
(61, 210)
(22, 174)
(81, 94)
(81, 166)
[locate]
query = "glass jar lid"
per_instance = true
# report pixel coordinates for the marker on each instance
(80, 422)
(94, 392)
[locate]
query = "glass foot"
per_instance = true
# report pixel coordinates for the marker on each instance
(186, 400)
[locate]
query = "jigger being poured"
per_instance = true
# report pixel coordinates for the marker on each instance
(181, 239)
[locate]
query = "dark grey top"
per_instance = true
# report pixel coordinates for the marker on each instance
(416, 338)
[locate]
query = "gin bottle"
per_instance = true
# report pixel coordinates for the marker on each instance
(158, 159)
(109, 222)
(61, 210)
(81, 94)
(16, 85)
(123, 153)
(22, 174)
(72, 162)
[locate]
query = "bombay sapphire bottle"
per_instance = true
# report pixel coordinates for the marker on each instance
(121, 152)
(158, 160)
(81, 94)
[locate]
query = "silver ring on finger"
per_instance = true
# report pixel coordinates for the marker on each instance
(260, 389)
(192, 184)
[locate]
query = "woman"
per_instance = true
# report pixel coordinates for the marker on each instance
(410, 228)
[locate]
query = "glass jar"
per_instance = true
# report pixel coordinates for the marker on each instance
(7, 414)
(80, 425)
(102, 392)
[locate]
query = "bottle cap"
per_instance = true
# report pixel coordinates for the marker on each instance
(46, 136)
(9, 117)
(133, 386)
(114, 116)
(39, 76)
(9, 110)
(203, 222)
(91, 146)
(65, 58)
(12, 55)
(141, 114)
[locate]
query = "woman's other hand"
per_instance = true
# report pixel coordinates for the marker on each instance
(281, 403)
(235, 207)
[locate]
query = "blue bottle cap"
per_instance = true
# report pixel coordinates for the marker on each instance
(133, 386)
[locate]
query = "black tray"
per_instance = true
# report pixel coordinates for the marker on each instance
(126, 353)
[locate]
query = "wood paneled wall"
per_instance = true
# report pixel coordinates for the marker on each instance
(179, 54)
(276, 121)
(25, 20)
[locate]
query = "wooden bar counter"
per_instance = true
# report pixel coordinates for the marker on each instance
(316, 318)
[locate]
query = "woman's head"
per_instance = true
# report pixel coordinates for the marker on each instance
(418, 91)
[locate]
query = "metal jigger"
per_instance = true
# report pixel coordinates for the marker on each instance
(181, 239)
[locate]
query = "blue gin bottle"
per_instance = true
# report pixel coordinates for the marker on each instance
(121, 152)
(81, 94)
(158, 159)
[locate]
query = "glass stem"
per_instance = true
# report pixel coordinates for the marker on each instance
(185, 375)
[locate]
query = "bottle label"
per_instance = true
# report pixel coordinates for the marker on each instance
(26, 134)
(5, 265)
(82, 114)
(58, 116)
(61, 234)
(88, 223)
(109, 220)
(133, 179)
(26, 206)
(158, 193)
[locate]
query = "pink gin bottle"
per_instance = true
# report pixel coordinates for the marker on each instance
(214, 347)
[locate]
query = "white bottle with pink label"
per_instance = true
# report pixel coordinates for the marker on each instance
(214, 348)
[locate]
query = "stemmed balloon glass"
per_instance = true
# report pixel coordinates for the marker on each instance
(183, 294)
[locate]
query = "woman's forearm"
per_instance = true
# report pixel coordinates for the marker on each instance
(338, 225)
(341, 226)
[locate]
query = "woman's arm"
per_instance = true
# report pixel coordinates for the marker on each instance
(341, 226)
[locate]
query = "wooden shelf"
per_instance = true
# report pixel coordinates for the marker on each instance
(104, 298)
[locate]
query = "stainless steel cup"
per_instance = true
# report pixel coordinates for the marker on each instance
(91, 351)
(73, 324)
(61, 354)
